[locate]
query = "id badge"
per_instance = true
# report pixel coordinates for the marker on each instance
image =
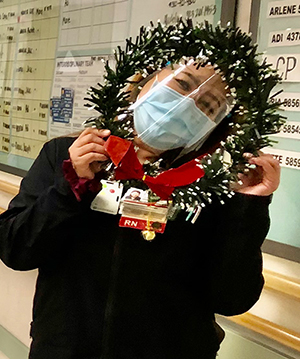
(108, 199)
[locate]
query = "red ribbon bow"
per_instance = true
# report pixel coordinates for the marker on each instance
(123, 156)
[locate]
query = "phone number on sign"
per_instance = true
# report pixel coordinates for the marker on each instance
(290, 129)
(292, 161)
(287, 161)
(293, 36)
(288, 102)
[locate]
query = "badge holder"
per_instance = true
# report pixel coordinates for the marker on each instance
(109, 198)
(150, 218)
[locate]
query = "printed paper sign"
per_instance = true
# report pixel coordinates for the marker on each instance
(288, 66)
(290, 130)
(289, 37)
(290, 101)
(61, 108)
(283, 9)
(287, 159)
(73, 76)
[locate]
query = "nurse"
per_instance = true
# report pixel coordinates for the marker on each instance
(102, 291)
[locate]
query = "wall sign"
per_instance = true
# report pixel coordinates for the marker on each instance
(291, 130)
(279, 40)
(288, 66)
(290, 101)
(280, 9)
(289, 159)
(288, 37)
(73, 76)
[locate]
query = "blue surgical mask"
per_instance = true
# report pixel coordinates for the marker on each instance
(165, 119)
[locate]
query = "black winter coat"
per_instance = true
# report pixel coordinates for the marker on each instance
(104, 292)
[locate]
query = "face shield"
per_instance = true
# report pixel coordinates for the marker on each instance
(180, 107)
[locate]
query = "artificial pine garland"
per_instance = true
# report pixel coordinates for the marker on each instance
(232, 54)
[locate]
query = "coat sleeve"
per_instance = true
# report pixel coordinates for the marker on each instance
(238, 231)
(32, 228)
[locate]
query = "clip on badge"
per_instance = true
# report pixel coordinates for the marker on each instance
(108, 199)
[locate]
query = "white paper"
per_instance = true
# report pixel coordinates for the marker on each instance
(290, 101)
(289, 159)
(288, 37)
(288, 8)
(108, 199)
(288, 66)
(290, 130)
(77, 74)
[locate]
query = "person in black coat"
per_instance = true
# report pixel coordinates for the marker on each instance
(102, 291)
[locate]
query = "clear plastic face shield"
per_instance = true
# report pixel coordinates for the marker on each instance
(180, 107)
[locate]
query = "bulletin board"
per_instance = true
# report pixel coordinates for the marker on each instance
(52, 51)
(279, 41)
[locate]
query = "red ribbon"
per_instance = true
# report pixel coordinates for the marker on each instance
(123, 156)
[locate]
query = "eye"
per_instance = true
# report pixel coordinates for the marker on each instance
(184, 85)
(206, 107)
(204, 103)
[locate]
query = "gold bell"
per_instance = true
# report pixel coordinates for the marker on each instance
(148, 235)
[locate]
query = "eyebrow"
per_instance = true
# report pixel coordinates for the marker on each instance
(214, 98)
(192, 77)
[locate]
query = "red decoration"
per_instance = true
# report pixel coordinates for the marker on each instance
(80, 186)
(123, 155)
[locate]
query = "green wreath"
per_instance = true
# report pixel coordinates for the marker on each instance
(231, 51)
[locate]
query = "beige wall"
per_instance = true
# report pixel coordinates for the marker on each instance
(276, 306)
(243, 14)
(16, 288)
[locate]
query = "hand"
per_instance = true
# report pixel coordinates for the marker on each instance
(262, 180)
(87, 151)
